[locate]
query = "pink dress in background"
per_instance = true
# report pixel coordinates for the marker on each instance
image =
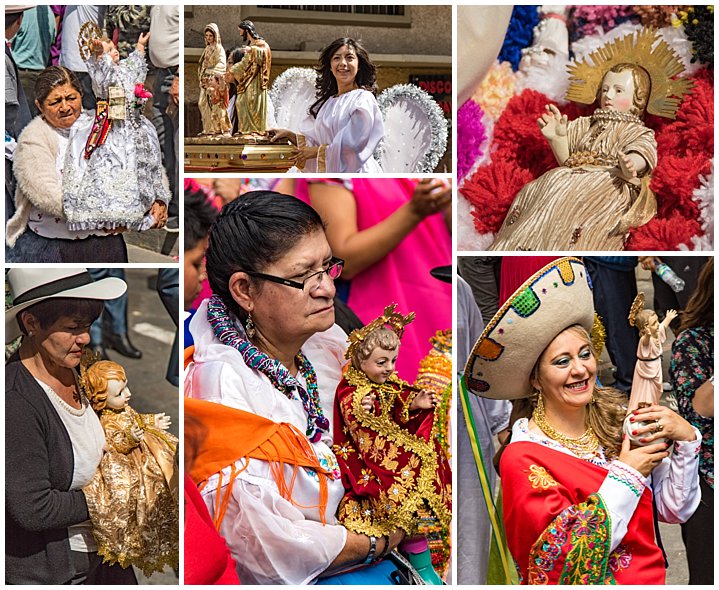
(647, 380)
(401, 277)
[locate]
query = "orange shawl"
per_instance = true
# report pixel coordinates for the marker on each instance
(225, 435)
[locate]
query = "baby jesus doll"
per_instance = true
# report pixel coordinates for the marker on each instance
(113, 176)
(647, 380)
(600, 190)
(132, 499)
(395, 474)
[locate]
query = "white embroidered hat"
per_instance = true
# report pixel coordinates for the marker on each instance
(29, 286)
(554, 298)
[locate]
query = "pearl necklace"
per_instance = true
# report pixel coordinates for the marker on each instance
(587, 444)
(619, 116)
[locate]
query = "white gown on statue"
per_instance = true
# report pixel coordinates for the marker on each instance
(351, 127)
(117, 185)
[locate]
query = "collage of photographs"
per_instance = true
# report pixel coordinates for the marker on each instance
(448, 294)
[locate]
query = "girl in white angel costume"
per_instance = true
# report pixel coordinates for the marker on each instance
(113, 176)
(344, 126)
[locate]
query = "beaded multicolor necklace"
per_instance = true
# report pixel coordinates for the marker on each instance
(225, 329)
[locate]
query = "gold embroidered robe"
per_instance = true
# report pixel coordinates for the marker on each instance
(132, 498)
(395, 473)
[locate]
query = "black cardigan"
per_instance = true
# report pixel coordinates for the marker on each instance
(38, 472)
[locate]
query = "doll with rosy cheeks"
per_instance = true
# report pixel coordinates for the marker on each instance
(393, 467)
(132, 499)
(587, 202)
(647, 381)
(600, 190)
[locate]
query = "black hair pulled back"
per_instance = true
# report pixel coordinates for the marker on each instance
(252, 232)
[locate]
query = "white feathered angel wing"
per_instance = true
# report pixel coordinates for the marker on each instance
(415, 136)
(292, 95)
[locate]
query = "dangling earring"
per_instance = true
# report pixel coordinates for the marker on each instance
(250, 326)
(540, 403)
(593, 400)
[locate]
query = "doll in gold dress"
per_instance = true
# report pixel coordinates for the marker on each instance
(601, 187)
(132, 499)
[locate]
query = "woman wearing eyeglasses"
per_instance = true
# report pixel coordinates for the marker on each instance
(269, 356)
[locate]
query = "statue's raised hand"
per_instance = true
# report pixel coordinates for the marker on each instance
(552, 123)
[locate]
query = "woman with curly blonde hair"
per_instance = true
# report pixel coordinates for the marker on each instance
(577, 497)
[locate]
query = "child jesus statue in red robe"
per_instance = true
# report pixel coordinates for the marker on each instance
(395, 473)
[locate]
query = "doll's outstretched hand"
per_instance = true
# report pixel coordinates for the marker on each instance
(670, 316)
(142, 41)
(367, 403)
(162, 421)
(627, 166)
(276, 135)
(424, 400)
(97, 47)
(552, 123)
(136, 432)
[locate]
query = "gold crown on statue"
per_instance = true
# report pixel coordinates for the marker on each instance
(390, 319)
(637, 306)
(89, 31)
(660, 62)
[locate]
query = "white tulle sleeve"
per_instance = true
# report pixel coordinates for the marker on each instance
(282, 547)
(676, 482)
(99, 68)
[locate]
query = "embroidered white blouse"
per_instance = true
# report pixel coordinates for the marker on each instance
(272, 540)
(674, 482)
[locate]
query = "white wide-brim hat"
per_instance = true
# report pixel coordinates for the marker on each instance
(17, 8)
(553, 299)
(29, 286)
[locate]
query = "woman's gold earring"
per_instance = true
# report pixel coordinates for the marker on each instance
(540, 402)
(250, 326)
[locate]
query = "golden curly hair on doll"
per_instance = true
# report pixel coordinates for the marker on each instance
(96, 378)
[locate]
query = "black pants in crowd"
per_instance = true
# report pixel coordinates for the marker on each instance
(698, 537)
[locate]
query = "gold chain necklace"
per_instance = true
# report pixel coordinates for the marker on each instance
(586, 444)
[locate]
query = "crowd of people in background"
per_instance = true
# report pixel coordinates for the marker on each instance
(48, 91)
(682, 283)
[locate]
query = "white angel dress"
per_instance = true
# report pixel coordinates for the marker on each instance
(348, 129)
(123, 176)
(401, 131)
